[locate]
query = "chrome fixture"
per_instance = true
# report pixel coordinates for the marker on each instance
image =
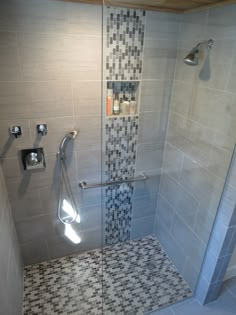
(192, 58)
(141, 177)
(67, 205)
(70, 136)
(16, 131)
(33, 159)
(42, 129)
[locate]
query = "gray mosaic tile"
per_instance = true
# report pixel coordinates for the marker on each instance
(120, 145)
(68, 285)
(139, 277)
(136, 277)
(124, 43)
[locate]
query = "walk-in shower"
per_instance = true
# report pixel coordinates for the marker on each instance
(134, 148)
(192, 57)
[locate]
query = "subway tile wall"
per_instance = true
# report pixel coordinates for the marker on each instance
(11, 267)
(199, 142)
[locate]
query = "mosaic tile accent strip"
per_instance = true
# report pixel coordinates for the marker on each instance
(138, 277)
(120, 141)
(118, 213)
(124, 43)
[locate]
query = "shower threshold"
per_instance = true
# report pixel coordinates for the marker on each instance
(130, 278)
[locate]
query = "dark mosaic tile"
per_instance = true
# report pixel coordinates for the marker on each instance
(124, 43)
(120, 145)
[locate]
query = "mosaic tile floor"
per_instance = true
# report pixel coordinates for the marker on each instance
(138, 277)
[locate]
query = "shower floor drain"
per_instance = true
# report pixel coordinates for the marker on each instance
(151, 264)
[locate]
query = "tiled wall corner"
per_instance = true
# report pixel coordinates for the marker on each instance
(11, 266)
(199, 143)
(222, 242)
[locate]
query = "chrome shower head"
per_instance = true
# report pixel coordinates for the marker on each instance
(192, 57)
(69, 136)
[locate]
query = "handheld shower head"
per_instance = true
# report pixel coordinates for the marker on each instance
(69, 136)
(192, 57)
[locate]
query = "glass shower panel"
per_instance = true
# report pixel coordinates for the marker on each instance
(156, 230)
(138, 276)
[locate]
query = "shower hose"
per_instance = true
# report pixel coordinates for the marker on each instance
(65, 180)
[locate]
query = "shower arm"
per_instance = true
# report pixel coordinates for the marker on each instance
(209, 43)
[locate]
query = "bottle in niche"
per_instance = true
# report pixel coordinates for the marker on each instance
(116, 105)
(121, 106)
(109, 103)
(133, 106)
(126, 105)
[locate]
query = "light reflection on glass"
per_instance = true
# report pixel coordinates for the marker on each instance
(66, 206)
(71, 234)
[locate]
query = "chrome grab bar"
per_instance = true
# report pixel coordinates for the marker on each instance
(85, 185)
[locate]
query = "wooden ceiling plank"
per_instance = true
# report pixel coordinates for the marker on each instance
(167, 6)
(172, 6)
(209, 6)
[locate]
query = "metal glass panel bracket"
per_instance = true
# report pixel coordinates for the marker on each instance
(141, 177)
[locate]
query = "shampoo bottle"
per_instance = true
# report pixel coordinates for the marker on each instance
(133, 106)
(116, 105)
(109, 102)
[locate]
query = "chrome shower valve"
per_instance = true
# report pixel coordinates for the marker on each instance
(16, 131)
(42, 129)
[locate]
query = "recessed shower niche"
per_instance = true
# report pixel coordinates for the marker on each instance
(122, 98)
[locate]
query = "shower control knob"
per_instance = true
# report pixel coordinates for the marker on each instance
(42, 129)
(16, 131)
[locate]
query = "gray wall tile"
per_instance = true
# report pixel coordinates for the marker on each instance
(34, 252)
(22, 100)
(142, 227)
(172, 248)
(184, 203)
(11, 267)
(201, 130)
(151, 127)
(143, 206)
(159, 59)
(9, 65)
(149, 156)
(90, 239)
(155, 95)
(162, 26)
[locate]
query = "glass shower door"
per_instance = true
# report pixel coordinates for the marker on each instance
(159, 126)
